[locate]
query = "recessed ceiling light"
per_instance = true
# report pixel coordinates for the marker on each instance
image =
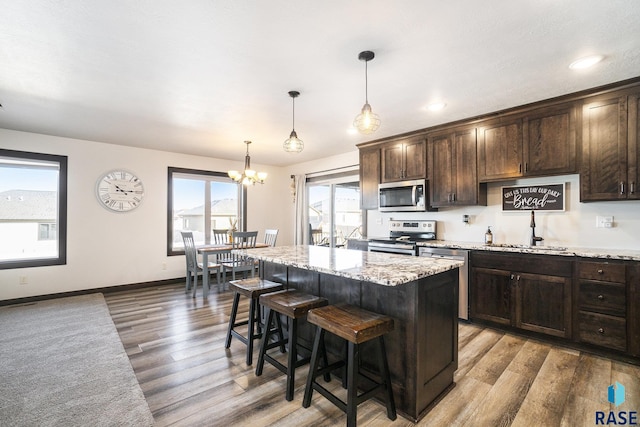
(436, 106)
(586, 62)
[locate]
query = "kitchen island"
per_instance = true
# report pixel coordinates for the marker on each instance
(420, 294)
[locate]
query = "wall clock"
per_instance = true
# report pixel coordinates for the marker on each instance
(119, 190)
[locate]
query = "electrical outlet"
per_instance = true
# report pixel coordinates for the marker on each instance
(24, 280)
(604, 221)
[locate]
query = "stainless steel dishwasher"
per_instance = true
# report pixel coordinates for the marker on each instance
(458, 255)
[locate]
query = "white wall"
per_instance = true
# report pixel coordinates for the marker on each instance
(109, 249)
(575, 227)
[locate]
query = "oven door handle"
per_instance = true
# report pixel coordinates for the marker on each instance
(393, 251)
(414, 190)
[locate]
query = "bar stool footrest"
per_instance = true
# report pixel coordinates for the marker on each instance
(328, 369)
(332, 397)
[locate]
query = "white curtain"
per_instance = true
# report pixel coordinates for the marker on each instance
(302, 223)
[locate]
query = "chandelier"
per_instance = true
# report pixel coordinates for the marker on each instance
(367, 121)
(248, 175)
(293, 144)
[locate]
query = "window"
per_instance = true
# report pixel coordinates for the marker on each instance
(334, 210)
(47, 231)
(201, 201)
(33, 209)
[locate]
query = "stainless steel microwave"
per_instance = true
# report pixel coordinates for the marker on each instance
(403, 196)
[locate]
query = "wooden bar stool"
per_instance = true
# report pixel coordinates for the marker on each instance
(251, 288)
(295, 305)
(356, 326)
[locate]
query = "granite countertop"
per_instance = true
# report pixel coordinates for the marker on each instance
(380, 268)
(619, 254)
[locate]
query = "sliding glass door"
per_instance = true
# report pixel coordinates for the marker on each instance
(334, 211)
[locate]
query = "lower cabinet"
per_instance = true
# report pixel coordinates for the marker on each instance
(602, 304)
(589, 301)
(543, 304)
(506, 289)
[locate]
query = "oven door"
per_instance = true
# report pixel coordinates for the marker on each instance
(402, 196)
(393, 248)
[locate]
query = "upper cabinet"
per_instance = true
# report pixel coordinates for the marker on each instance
(549, 141)
(369, 177)
(452, 169)
(537, 143)
(595, 133)
(404, 159)
(500, 150)
(610, 154)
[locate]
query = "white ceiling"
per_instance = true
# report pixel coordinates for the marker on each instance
(200, 77)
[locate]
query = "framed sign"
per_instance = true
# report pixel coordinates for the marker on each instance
(534, 197)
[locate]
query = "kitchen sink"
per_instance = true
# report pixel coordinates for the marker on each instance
(533, 248)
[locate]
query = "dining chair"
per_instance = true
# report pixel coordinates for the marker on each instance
(240, 263)
(270, 236)
(193, 266)
(220, 237)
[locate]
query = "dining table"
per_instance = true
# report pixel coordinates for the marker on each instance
(218, 249)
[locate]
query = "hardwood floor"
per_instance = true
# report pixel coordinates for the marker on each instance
(176, 346)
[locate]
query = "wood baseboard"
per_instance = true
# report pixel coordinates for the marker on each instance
(107, 289)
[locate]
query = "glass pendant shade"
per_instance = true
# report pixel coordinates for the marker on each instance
(367, 121)
(293, 144)
(248, 176)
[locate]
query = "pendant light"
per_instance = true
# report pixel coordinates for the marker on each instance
(293, 144)
(367, 121)
(248, 175)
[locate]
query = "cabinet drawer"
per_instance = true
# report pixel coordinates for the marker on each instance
(603, 330)
(608, 298)
(603, 271)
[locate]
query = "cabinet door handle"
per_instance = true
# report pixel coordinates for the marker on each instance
(526, 167)
(621, 187)
(600, 271)
(601, 331)
(600, 297)
(512, 276)
(520, 168)
(453, 197)
(632, 187)
(518, 278)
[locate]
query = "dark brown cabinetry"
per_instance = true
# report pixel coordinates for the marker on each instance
(602, 304)
(549, 141)
(500, 150)
(369, 177)
(610, 154)
(404, 159)
(540, 139)
(633, 313)
(537, 143)
(509, 290)
(452, 163)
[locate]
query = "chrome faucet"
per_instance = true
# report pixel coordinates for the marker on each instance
(534, 238)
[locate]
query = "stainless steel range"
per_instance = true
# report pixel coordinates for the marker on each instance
(404, 236)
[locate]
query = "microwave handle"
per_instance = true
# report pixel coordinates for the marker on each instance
(414, 190)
